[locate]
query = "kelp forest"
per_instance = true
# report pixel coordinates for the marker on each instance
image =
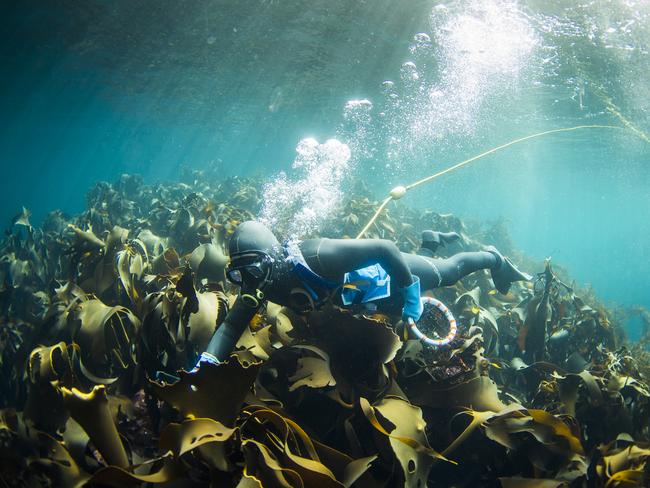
(103, 316)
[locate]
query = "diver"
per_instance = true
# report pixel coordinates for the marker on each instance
(303, 275)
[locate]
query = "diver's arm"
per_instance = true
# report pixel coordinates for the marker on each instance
(332, 258)
(226, 336)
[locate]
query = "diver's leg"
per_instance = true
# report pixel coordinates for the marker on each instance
(445, 272)
(503, 271)
(460, 265)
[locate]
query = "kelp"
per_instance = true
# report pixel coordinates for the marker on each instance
(551, 445)
(15, 343)
(178, 320)
(90, 410)
(278, 452)
(624, 465)
(208, 261)
(51, 364)
(516, 482)
(312, 371)
(103, 315)
(568, 389)
(467, 307)
(131, 263)
(451, 378)
(533, 335)
(406, 436)
(216, 391)
(359, 347)
(106, 337)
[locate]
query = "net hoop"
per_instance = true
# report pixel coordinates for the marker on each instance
(453, 328)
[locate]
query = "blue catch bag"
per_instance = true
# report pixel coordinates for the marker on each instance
(365, 285)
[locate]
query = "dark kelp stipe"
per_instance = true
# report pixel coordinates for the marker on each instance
(539, 388)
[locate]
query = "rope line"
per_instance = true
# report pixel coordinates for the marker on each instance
(399, 191)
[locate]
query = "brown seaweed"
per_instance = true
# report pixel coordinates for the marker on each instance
(539, 388)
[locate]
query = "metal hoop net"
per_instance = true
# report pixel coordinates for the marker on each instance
(436, 316)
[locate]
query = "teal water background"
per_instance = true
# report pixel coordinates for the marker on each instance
(90, 90)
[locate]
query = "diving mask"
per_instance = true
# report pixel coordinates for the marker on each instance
(252, 269)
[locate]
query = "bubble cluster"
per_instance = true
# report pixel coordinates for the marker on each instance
(297, 207)
(358, 129)
(467, 72)
(476, 54)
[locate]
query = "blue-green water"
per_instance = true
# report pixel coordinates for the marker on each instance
(90, 90)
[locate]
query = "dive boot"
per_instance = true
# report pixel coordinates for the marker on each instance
(432, 240)
(505, 271)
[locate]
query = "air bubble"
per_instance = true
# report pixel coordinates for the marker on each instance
(357, 111)
(409, 72)
(387, 86)
(421, 42)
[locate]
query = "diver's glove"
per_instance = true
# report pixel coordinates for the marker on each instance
(412, 303)
(205, 357)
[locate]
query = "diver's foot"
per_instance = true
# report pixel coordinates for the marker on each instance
(431, 240)
(505, 272)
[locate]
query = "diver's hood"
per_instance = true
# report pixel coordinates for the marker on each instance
(252, 236)
(256, 257)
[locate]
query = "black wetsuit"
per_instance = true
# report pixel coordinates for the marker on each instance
(332, 258)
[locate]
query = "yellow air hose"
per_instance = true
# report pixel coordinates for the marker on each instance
(399, 191)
